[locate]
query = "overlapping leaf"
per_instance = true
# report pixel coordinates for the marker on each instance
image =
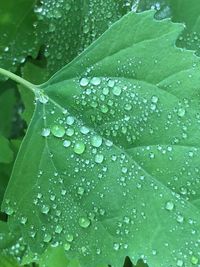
(16, 29)
(86, 185)
(180, 11)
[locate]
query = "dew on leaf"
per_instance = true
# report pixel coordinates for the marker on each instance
(181, 112)
(80, 190)
(70, 131)
(99, 158)
(116, 246)
(47, 238)
(45, 209)
(66, 143)
(58, 131)
(84, 130)
(84, 82)
(84, 222)
(46, 132)
(79, 148)
(9, 210)
(58, 229)
(96, 141)
(169, 206)
(117, 91)
(70, 120)
(179, 263)
(180, 218)
(23, 220)
(69, 238)
(67, 246)
(194, 260)
(95, 81)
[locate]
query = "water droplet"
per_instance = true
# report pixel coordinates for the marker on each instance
(194, 260)
(45, 132)
(9, 210)
(47, 238)
(99, 158)
(58, 229)
(181, 112)
(116, 246)
(24, 220)
(154, 99)
(169, 206)
(58, 131)
(45, 209)
(96, 141)
(84, 222)
(117, 91)
(69, 238)
(84, 82)
(79, 148)
(66, 143)
(70, 131)
(81, 191)
(95, 81)
(70, 120)
(67, 246)
(180, 218)
(179, 263)
(111, 83)
(84, 130)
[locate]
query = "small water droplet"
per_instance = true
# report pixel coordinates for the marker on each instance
(99, 158)
(181, 112)
(95, 81)
(45, 132)
(79, 148)
(66, 143)
(45, 209)
(169, 205)
(117, 91)
(96, 141)
(84, 82)
(67, 246)
(84, 222)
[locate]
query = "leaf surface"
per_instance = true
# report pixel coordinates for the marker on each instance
(85, 185)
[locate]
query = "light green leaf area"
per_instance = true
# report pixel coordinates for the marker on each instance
(67, 27)
(16, 30)
(94, 179)
(184, 11)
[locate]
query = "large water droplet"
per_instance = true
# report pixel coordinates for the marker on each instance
(58, 131)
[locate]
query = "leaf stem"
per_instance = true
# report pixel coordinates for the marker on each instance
(18, 79)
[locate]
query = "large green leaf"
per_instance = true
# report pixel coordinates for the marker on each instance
(85, 185)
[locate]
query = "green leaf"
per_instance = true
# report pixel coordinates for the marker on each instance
(85, 184)
(16, 30)
(68, 27)
(180, 11)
